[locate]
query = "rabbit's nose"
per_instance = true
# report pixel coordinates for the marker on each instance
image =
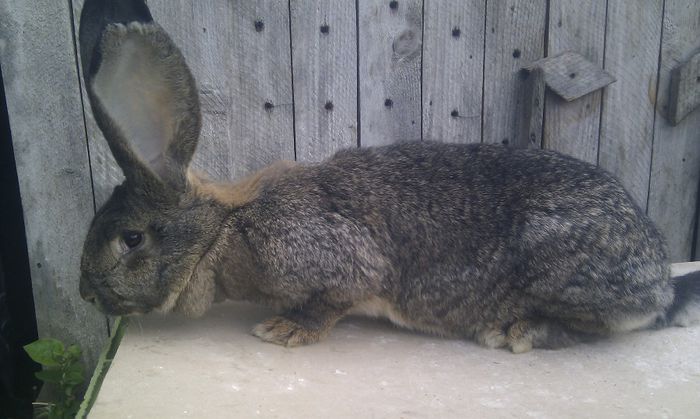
(86, 292)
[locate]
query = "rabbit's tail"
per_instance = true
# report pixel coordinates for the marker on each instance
(685, 309)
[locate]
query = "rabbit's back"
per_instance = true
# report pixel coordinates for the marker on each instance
(454, 237)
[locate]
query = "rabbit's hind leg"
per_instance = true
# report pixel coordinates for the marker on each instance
(523, 335)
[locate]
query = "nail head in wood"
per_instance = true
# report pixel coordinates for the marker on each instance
(456, 32)
(268, 106)
(324, 29)
(388, 103)
(259, 26)
(393, 5)
(328, 106)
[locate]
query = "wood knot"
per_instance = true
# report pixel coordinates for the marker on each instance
(407, 44)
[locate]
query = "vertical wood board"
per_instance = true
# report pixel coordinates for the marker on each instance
(239, 53)
(203, 34)
(324, 61)
(106, 174)
(631, 55)
(220, 42)
(573, 127)
(514, 37)
(390, 70)
(44, 105)
(675, 169)
(453, 65)
(696, 256)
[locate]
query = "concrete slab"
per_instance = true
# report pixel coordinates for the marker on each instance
(213, 368)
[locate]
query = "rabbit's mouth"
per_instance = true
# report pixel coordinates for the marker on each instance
(109, 302)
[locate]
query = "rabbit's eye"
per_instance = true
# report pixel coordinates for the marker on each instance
(132, 238)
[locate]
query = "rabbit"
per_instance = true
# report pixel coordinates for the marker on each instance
(512, 248)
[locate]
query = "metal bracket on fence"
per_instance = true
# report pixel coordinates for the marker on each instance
(684, 96)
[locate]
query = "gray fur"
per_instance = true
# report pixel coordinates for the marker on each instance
(516, 248)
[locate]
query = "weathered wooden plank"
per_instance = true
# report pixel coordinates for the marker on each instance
(44, 106)
(631, 55)
(453, 65)
(239, 52)
(204, 34)
(696, 256)
(221, 43)
(675, 169)
(389, 70)
(514, 37)
(106, 174)
(532, 116)
(324, 61)
(573, 128)
(685, 89)
(571, 76)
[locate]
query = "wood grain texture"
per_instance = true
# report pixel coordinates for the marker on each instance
(685, 89)
(106, 174)
(204, 34)
(389, 70)
(531, 119)
(571, 76)
(453, 65)
(573, 128)
(43, 102)
(675, 169)
(696, 256)
(221, 44)
(239, 53)
(631, 55)
(324, 61)
(514, 37)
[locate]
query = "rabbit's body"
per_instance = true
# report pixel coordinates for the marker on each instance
(516, 248)
(458, 240)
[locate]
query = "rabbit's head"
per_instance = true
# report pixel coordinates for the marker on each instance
(144, 244)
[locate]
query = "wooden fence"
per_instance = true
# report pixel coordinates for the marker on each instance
(299, 79)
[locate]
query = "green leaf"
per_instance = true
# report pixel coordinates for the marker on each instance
(45, 351)
(50, 375)
(44, 412)
(57, 412)
(74, 374)
(73, 352)
(72, 410)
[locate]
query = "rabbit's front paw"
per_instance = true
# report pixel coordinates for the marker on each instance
(285, 332)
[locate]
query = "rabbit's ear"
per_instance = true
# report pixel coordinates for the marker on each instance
(143, 96)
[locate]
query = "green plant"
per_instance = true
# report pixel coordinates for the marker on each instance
(61, 367)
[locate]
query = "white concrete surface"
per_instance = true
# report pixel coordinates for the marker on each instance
(213, 368)
(678, 269)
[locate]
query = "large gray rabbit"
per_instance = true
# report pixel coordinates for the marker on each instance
(513, 248)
